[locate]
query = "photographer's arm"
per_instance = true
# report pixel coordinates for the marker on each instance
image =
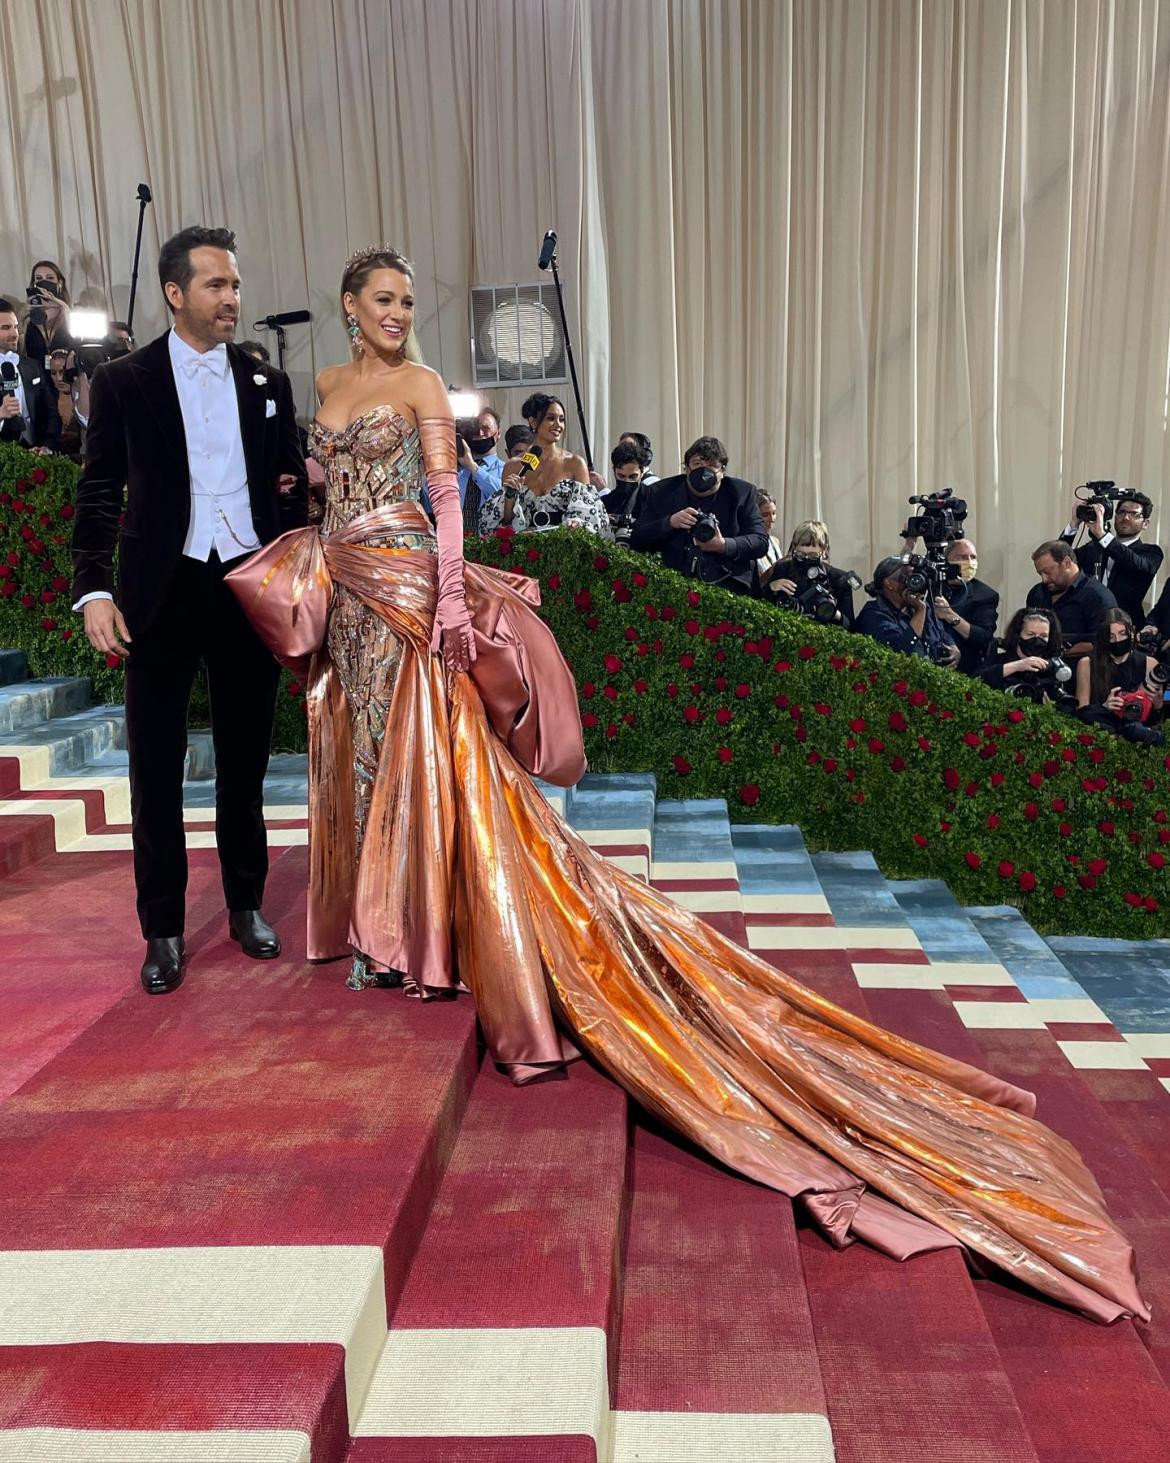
(1084, 670)
(1138, 557)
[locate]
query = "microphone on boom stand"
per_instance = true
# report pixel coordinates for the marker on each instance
(548, 256)
(278, 322)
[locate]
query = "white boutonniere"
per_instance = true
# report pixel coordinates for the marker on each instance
(260, 379)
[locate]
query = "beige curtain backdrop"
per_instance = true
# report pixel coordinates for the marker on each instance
(876, 247)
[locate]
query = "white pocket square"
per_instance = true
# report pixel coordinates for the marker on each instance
(270, 407)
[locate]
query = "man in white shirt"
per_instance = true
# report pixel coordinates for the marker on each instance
(200, 444)
(28, 398)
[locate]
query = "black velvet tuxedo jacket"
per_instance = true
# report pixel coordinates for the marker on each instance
(135, 442)
(42, 428)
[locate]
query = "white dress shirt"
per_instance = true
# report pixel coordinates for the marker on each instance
(221, 511)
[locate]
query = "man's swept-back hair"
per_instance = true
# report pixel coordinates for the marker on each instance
(174, 258)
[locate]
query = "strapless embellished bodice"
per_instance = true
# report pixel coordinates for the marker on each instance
(374, 461)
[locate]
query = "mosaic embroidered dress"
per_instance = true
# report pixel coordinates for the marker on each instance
(565, 501)
(433, 851)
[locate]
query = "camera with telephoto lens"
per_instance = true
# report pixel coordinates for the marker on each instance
(1104, 494)
(813, 595)
(1049, 684)
(1149, 641)
(704, 528)
(623, 527)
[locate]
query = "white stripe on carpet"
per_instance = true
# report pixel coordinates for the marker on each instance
(831, 937)
(230, 1445)
(717, 1437)
(526, 1381)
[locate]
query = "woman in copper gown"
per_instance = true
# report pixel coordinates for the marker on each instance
(434, 855)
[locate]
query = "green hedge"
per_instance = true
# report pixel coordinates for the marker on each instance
(722, 696)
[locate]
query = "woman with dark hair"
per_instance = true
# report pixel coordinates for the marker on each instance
(435, 858)
(557, 493)
(1114, 686)
(48, 319)
(1030, 644)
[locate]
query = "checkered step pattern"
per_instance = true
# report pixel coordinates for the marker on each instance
(268, 1219)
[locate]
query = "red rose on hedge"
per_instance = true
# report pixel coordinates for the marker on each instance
(1156, 860)
(113, 660)
(1059, 891)
(973, 860)
(921, 840)
(750, 794)
(1097, 866)
(589, 721)
(38, 475)
(583, 599)
(681, 765)
(897, 722)
(1027, 881)
(692, 714)
(725, 754)
(1006, 869)
(612, 663)
(807, 652)
(723, 716)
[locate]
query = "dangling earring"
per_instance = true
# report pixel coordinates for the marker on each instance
(355, 334)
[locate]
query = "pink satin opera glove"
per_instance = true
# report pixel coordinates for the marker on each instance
(453, 632)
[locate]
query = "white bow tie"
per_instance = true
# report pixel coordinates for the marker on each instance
(214, 360)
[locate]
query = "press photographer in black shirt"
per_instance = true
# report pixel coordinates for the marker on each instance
(804, 579)
(1115, 687)
(1114, 553)
(1078, 601)
(706, 524)
(1030, 660)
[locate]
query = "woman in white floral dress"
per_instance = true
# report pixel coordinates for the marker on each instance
(556, 493)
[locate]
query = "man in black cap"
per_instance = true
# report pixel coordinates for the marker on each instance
(902, 619)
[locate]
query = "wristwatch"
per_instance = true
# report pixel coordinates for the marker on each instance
(511, 494)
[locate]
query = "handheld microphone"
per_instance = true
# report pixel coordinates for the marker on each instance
(547, 249)
(529, 460)
(287, 317)
(7, 379)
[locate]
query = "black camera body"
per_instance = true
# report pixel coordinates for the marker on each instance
(928, 573)
(1051, 683)
(623, 526)
(1104, 494)
(814, 595)
(1149, 641)
(940, 521)
(704, 528)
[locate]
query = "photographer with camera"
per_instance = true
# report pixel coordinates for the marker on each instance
(1115, 519)
(706, 525)
(481, 469)
(1116, 686)
(1029, 662)
(47, 328)
(804, 580)
(967, 607)
(1078, 601)
(28, 397)
(901, 613)
(623, 502)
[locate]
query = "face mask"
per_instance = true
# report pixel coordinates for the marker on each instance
(1121, 647)
(968, 569)
(627, 484)
(1034, 645)
(481, 446)
(701, 479)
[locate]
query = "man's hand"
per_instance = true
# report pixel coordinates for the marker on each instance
(953, 657)
(782, 586)
(1097, 527)
(41, 451)
(598, 482)
(716, 545)
(465, 458)
(103, 627)
(684, 518)
(1029, 663)
(9, 407)
(942, 607)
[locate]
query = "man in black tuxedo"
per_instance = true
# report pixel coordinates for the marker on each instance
(1117, 556)
(28, 398)
(723, 552)
(204, 442)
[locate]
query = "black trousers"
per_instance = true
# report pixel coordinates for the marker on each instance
(201, 620)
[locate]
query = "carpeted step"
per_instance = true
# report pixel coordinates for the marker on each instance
(503, 1337)
(27, 704)
(907, 1359)
(614, 813)
(228, 1182)
(1131, 1411)
(694, 862)
(58, 748)
(717, 1355)
(13, 667)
